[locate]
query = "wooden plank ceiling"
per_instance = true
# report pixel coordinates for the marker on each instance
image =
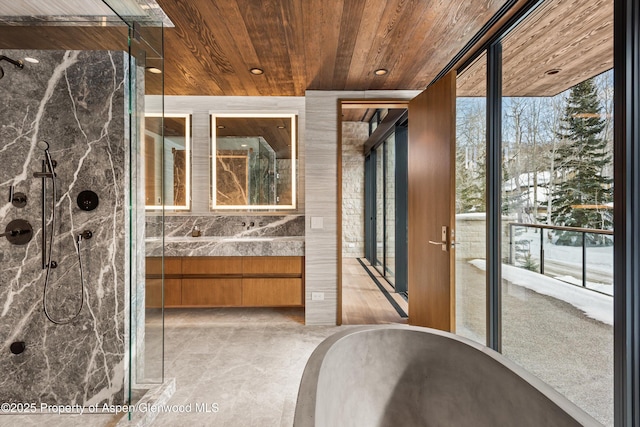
(313, 44)
(574, 37)
(338, 44)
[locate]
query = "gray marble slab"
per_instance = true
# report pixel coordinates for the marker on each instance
(77, 102)
(219, 225)
(226, 246)
(264, 235)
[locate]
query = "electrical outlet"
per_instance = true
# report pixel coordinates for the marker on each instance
(317, 296)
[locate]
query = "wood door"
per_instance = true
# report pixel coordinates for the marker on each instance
(431, 204)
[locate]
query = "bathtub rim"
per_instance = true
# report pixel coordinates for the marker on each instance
(305, 410)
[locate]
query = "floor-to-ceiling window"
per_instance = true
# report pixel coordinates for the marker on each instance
(557, 200)
(385, 201)
(380, 187)
(390, 209)
(471, 220)
(550, 127)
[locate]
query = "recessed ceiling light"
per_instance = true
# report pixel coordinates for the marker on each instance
(154, 70)
(552, 71)
(220, 127)
(32, 60)
(256, 71)
(380, 72)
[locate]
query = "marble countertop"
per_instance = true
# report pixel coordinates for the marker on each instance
(226, 246)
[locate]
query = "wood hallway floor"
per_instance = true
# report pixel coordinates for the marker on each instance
(362, 301)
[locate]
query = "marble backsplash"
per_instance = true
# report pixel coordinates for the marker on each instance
(77, 102)
(226, 246)
(231, 226)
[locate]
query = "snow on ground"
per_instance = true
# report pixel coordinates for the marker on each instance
(595, 305)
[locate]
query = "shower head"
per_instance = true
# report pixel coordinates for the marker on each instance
(51, 164)
(17, 63)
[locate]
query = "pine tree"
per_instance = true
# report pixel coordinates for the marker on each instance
(582, 192)
(469, 184)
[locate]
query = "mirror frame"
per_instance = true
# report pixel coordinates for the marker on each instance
(294, 170)
(187, 137)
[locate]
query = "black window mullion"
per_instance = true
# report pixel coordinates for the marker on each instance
(494, 187)
(626, 213)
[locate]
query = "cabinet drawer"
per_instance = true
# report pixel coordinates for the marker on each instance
(272, 292)
(212, 292)
(172, 265)
(272, 265)
(229, 265)
(172, 292)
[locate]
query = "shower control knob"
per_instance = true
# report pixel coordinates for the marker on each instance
(19, 200)
(18, 232)
(88, 200)
(17, 347)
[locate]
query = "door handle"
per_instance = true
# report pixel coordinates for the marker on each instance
(445, 239)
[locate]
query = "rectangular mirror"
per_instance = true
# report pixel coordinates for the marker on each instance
(255, 161)
(167, 157)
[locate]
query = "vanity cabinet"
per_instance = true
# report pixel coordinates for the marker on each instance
(235, 281)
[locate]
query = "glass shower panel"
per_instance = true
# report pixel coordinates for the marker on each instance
(149, 287)
(65, 150)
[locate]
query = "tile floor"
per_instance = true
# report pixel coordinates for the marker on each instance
(247, 361)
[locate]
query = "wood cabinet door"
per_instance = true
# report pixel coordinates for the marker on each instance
(172, 293)
(212, 292)
(284, 292)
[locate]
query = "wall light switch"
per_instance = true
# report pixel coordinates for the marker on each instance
(317, 296)
(317, 222)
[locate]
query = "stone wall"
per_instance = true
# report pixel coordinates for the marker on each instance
(354, 134)
(471, 236)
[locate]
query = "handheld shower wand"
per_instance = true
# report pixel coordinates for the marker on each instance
(48, 171)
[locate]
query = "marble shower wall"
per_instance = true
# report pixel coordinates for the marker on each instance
(75, 100)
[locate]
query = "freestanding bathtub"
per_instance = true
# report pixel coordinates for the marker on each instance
(396, 375)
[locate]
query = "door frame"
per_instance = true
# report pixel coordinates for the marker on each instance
(354, 103)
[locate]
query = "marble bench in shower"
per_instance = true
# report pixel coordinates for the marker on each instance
(396, 375)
